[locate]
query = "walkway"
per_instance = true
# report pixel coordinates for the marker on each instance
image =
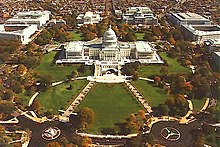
(185, 119)
(108, 136)
(139, 97)
(205, 106)
(32, 98)
(78, 99)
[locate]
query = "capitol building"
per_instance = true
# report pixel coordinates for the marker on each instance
(108, 53)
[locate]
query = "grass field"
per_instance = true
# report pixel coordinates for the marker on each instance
(59, 97)
(174, 67)
(58, 72)
(140, 36)
(76, 36)
(198, 104)
(153, 95)
(111, 105)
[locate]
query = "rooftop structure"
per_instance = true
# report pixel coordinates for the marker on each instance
(216, 60)
(200, 33)
(212, 45)
(179, 19)
(139, 16)
(18, 32)
(38, 18)
(88, 18)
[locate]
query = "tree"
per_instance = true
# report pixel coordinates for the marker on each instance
(53, 144)
(86, 116)
(36, 105)
(164, 70)
(8, 95)
(6, 107)
(22, 69)
(45, 82)
(157, 80)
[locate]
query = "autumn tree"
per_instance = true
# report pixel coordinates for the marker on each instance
(53, 144)
(86, 116)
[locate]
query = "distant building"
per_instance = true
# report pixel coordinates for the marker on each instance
(200, 33)
(23, 25)
(88, 18)
(212, 45)
(216, 61)
(139, 16)
(18, 32)
(38, 18)
(179, 19)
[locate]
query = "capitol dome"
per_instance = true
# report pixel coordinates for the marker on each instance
(109, 39)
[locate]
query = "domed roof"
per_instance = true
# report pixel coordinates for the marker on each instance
(109, 39)
(109, 32)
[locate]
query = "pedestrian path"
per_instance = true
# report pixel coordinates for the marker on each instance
(205, 106)
(109, 136)
(139, 96)
(33, 98)
(185, 119)
(78, 99)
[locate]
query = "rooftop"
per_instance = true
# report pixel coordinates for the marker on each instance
(75, 46)
(203, 29)
(217, 53)
(143, 46)
(189, 16)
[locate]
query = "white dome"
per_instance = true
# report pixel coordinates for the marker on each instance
(110, 38)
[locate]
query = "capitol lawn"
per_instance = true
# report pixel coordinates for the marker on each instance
(112, 104)
(153, 95)
(140, 36)
(76, 36)
(174, 67)
(59, 97)
(57, 72)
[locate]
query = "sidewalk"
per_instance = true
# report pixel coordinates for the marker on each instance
(139, 96)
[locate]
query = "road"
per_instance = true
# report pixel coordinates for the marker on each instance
(169, 9)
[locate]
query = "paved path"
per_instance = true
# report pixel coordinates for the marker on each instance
(33, 98)
(139, 97)
(205, 106)
(10, 121)
(78, 99)
(185, 119)
(108, 136)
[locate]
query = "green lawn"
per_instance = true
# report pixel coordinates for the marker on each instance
(76, 36)
(57, 97)
(58, 72)
(153, 95)
(198, 104)
(140, 36)
(174, 67)
(111, 105)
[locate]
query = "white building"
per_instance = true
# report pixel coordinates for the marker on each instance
(139, 16)
(108, 55)
(201, 33)
(38, 18)
(22, 33)
(212, 45)
(179, 19)
(109, 49)
(88, 18)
